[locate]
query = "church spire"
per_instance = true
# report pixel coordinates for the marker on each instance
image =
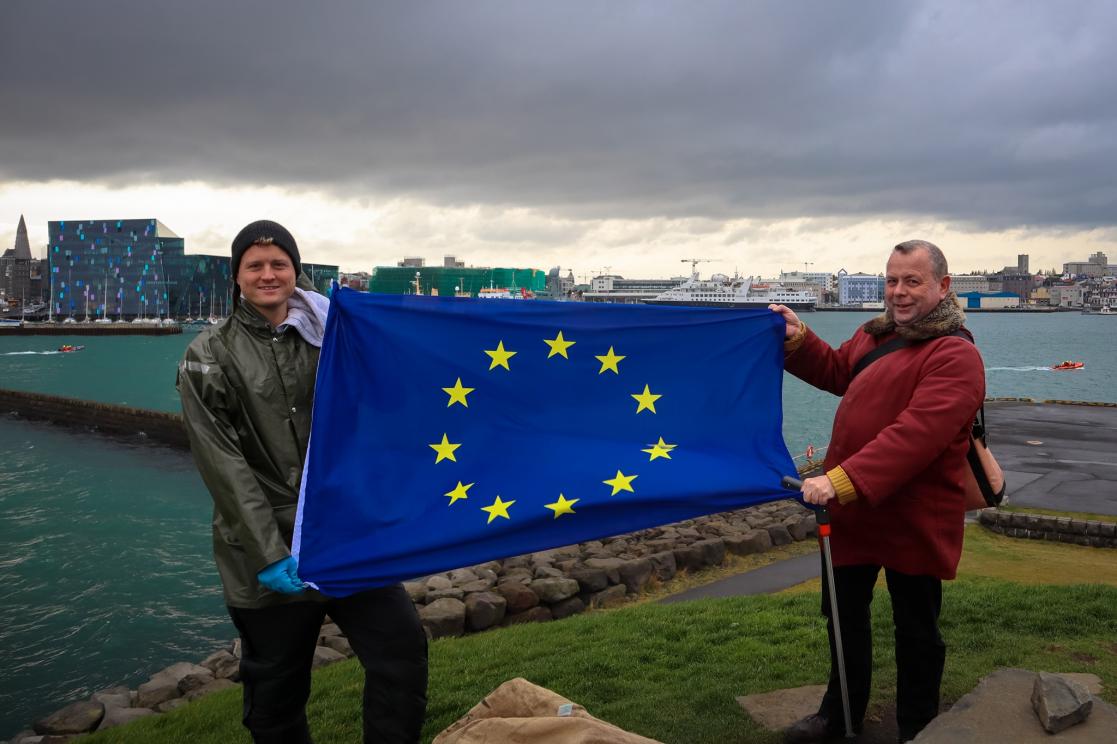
(22, 246)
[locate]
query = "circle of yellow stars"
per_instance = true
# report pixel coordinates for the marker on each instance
(559, 346)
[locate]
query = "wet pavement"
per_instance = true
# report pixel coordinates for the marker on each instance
(1056, 456)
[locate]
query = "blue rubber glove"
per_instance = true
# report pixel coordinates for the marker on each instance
(282, 576)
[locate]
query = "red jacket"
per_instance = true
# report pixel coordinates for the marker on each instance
(900, 434)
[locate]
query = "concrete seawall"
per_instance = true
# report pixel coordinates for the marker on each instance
(154, 426)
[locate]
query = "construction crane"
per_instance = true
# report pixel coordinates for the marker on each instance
(694, 263)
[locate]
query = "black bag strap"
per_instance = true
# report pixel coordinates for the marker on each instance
(886, 348)
(895, 345)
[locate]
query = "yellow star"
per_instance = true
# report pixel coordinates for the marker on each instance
(558, 345)
(458, 393)
(609, 361)
(500, 357)
(562, 506)
(445, 450)
(659, 449)
(646, 400)
(498, 509)
(621, 483)
(458, 493)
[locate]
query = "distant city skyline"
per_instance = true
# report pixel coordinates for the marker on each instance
(625, 137)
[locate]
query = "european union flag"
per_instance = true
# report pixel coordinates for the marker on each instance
(451, 431)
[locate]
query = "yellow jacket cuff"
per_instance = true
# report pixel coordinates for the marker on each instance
(843, 486)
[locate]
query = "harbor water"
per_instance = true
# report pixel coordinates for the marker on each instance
(106, 573)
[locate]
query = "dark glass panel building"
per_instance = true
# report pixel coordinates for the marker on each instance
(125, 269)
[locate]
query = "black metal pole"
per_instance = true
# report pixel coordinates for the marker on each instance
(822, 517)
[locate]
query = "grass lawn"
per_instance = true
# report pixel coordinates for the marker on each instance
(671, 672)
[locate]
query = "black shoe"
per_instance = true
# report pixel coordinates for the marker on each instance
(814, 728)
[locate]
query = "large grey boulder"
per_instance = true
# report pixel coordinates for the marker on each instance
(223, 665)
(1059, 702)
(780, 535)
(340, 644)
(212, 686)
(611, 566)
(554, 590)
(518, 596)
(480, 585)
(416, 590)
(611, 597)
(712, 551)
(323, 655)
(75, 718)
(453, 592)
(462, 576)
(194, 680)
(590, 579)
(484, 610)
(663, 565)
(689, 558)
(113, 697)
(438, 581)
(567, 607)
(635, 574)
(159, 689)
(444, 617)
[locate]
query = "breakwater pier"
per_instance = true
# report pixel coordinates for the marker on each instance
(91, 329)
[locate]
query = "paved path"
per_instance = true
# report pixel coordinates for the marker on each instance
(764, 580)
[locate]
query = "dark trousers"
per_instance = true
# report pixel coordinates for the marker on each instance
(277, 649)
(920, 651)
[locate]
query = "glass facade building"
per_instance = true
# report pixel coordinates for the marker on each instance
(126, 269)
(453, 281)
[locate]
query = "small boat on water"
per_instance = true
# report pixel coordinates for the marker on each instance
(67, 348)
(1069, 365)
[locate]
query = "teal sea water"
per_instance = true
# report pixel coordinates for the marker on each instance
(105, 567)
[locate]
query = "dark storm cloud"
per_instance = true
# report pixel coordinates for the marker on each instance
(999, 114)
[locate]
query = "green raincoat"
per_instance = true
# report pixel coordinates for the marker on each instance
(247, 393)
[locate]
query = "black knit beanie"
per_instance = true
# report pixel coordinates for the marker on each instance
(255, 232)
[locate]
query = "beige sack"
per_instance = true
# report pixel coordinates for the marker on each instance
(519, 712)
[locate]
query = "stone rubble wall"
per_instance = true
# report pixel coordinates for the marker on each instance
(543, 586)
(1089, 532)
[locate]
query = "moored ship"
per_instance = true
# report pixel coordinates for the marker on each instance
(736, 291)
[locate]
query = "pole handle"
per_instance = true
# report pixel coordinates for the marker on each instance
(822, 515)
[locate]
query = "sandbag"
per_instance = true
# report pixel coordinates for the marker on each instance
(519, 712)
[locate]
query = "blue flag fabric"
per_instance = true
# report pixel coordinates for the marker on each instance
(452, 431)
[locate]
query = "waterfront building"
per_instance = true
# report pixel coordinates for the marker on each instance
(1068, 294)
(1096, 265)
(138, 268)
(988, 300)
(821, 278)
(615, 288)
(452, 281)
(961, 283)
(819, 283)
(16, 269)
(858, 289)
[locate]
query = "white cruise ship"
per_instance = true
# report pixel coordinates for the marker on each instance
(725, 291)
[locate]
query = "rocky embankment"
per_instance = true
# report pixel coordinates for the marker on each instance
(549, 585)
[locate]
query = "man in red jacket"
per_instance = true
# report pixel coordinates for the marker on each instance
(893, 481)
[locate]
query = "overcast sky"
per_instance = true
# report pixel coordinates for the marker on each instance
(627, 135)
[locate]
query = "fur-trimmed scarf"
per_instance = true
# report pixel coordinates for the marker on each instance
(946, 318)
